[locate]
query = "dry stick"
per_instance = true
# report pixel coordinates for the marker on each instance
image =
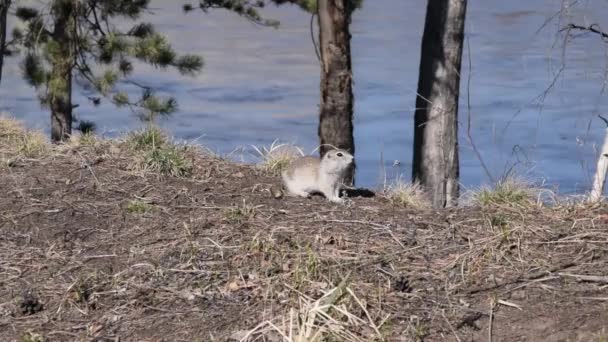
(469, 136)
(450, 325)
(594, 298)
(492, 304)
(377, 225)
(540, 280)
(599, 178)
(582, 277)
(532, 276)
(373, 224)
(371, 321)
(88, 167)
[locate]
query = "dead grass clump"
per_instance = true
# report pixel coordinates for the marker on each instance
(18, 140)
(329, 318)
(32, 337)
(277, 157)
(84, 139)
(138, 207)
(157, 154)
(168, 160)
(10, 128)
(409, 195)
(146, 139)
(32, 144)
(511, 191)
(240, 213)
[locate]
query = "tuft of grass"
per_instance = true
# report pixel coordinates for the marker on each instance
(138, 207)
(501, 224)
(32, 144)
(168, 160)
(417, 330)
(409, 195)
(240, 214)
(83, 139)
(19, 140)
(146, 139)
(511, 191)
(276, 157)
(158, 154)
(32, 337)
(10, 127)
(339, 315)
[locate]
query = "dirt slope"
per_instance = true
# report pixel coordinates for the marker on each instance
(92, 250)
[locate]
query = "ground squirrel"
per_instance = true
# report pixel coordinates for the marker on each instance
(307, 175)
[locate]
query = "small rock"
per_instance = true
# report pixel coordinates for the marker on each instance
(233, 286)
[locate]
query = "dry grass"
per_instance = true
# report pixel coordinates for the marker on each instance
(138, 207)
(168, 160)
(511, 192)
(84, 139)
(276, 157)
(21, 142)
(329, 318)
(407, 195)
(152, 150)
(240, 213)
(146, 139)
(32, 144)
(109, 255)
(157, 154)
(10, 127)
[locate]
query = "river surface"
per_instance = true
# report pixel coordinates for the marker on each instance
(260, 84)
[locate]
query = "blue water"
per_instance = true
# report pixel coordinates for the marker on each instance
(261, 84)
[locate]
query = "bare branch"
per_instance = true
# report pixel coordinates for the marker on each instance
(594, 28)
(469, 135)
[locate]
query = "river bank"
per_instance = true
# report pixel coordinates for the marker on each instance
(111, 240)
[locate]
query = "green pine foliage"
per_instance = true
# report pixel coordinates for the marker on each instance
(248, 9)
(311, 5)
(99, 54)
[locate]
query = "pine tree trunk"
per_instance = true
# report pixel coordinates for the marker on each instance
(4, 5)
(60, 88)
(336, 105)
(435, 162)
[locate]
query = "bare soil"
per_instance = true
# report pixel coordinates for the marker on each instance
(93, 250)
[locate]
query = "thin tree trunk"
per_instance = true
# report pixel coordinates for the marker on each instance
(4, 6)
(600, 172)
(435, 162)
(60, 87)
(336, 107)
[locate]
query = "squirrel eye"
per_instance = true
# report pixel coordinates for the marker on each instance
(339, 154)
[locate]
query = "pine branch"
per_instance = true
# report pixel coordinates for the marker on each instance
(244, 8)
(96, 18)
(78, 36)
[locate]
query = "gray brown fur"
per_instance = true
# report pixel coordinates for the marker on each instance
(303, 162)
(307, 175)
